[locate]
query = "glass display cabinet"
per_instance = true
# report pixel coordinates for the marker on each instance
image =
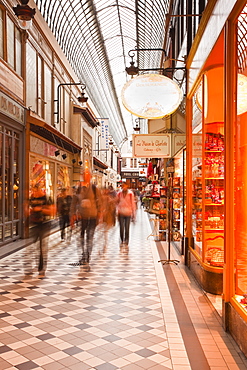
(207, 218)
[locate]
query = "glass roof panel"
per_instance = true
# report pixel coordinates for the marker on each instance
(96, 36)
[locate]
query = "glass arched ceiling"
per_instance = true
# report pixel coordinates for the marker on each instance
(96, 36)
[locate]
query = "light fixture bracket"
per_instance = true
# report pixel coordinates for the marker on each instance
(57, 101)
(134, 70)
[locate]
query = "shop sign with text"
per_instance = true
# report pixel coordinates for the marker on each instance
(104, 138)
(179, 141)
(11, 108)
(151, 146)
(129, 175)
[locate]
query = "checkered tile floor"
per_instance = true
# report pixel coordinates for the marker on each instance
(111, 317)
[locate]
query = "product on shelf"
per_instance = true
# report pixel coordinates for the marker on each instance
(198, 236)
(162, 236)
(163, 192)
(176, 193)
(176, 181)
(210, 253)
(217, 259)
(176, 225)
(214, 141)
(176, 236)
(163, 224)
(244, 299)
(176, 203)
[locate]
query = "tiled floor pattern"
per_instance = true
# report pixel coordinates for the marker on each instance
(219, 348)
(118, 315)
(108, 318)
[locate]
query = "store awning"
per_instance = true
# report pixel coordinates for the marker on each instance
(50, 133)
(98, 163)
(87, 114)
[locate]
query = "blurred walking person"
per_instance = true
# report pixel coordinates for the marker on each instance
(87, 203)
(64, 201)
(108, 211)
(40, 211)
(126, 209)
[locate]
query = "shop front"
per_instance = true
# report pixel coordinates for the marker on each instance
(235, 270)
(216, 199)
(52, 160)
(100, 175)
(12, 120)
(131, 178)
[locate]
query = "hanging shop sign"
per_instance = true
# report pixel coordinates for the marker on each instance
(104, 138)
(197, 145)
(151, 96)
(151, 146)
(179, 141)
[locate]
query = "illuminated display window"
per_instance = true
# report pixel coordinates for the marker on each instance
(240, 201)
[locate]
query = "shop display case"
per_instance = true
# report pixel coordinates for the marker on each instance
(208, 160)
(197, 193)
(208, 198)
(213, 210)
(178, 202)
(163, 213)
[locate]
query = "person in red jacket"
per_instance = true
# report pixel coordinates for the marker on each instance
(126, 209)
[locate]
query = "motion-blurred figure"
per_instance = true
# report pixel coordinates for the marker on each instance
(88, 205)
(108, 211)
(126, 209)
(64, 201)
(40, 210)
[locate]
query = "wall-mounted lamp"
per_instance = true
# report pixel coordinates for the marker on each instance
(57, 112)
(73, 160)
(57, 152)
(137, 126)
(82, 98)
(80, 163)
(25, 14)
(132, 70)
(64, 156)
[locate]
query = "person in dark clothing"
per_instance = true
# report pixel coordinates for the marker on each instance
(64, 201)
(87, 203)
(40, 210)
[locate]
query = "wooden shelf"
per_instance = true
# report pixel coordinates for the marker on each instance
(213, 204)
(214, 178)
(213, 229)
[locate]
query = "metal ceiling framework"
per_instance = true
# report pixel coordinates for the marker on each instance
(96, 35)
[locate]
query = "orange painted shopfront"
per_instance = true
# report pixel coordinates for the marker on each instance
(216, 201)
(207, 172)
